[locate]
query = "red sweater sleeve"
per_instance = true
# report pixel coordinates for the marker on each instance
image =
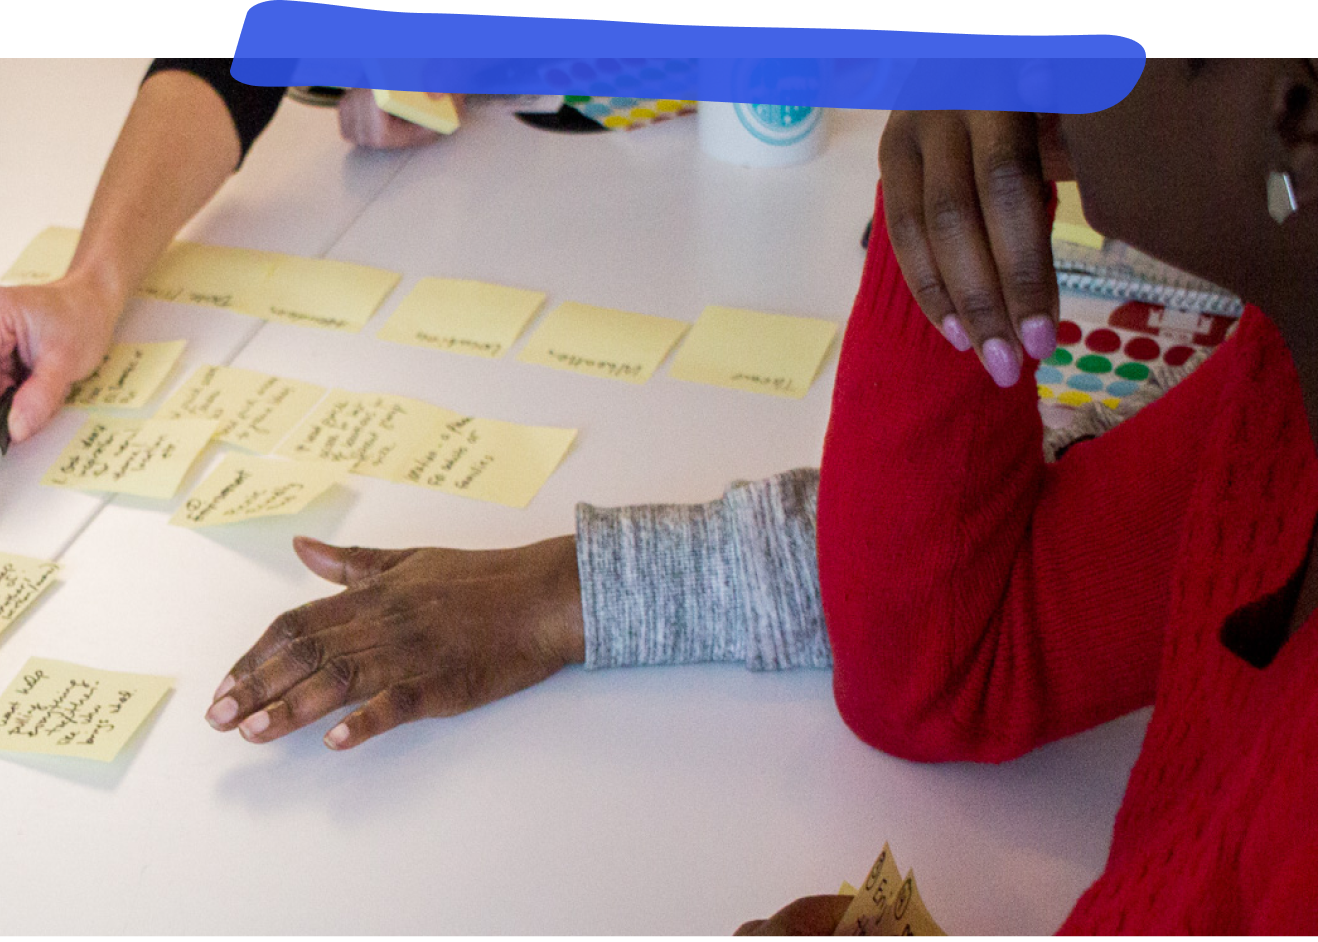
(980, 602)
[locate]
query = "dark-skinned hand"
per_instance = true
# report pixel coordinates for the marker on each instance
(810, 915)
(966, 202)
(416, 633)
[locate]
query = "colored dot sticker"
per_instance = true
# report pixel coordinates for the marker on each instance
(1122, 387)
(667, 104)
(575, 99)
(1060, 357)
(1045, 392)
(1073, 398)
(1143, 348)
(1103, 341)
(1068, 332)
(1133, 371)
(1085, 383)
(641, 114)
(596, 109)
(616, 121)
(1111, 403)
(1094, 364)
(1047, 374)
(1177, 355)
(623, 103)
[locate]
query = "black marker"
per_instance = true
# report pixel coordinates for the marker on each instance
(7, 403)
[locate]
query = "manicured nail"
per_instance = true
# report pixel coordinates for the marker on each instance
(1039, 336)
(336, 737)
(222, 713)
(225, 686)
(956, 334)
(256, 724)
(1002, 362)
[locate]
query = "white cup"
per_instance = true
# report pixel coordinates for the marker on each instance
(761, 135)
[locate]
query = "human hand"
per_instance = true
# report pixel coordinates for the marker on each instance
(416, 633)
(810, 915)
(58, 333)
(362, 122)
(966, 204)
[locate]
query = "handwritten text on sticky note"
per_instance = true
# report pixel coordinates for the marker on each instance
(144, 457)
(244, 487)
(129, 375)
(318, 292)
(63, 709)
(21, 581)
(602, 342)
(757, 352)
(468, 317)
(254, 410)
(46, 258)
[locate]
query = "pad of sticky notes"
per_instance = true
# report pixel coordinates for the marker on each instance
(245, 487)
(21, 581)
(129, 375)
(414, 442)
(439, 113)
(254, 410)
(63, 709)
(142, 457)
(46, 258)
(887, 905)
(599, 341)
(469, 317)
(754, 351)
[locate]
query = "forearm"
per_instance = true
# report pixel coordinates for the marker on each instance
(177, 147)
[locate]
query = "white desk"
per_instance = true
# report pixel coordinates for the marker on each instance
(680, 800)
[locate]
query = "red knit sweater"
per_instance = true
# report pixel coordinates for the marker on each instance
(981, 603)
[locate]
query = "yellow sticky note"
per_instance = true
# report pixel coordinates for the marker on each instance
(406, 440)
(599, 341)
(438, 113)
(21, 581)
(874, 896)
(46, 258)
(129, 375)
(750, 350)
(469, 317)
(143, 457)
(211, 275)
(319, 292)
(245, 487)
(63, 709)
(254, 410)
(485, 459)
(1069, 223)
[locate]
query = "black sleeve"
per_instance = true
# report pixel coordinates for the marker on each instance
(251, 106)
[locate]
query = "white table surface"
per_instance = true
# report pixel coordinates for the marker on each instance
(678, 800)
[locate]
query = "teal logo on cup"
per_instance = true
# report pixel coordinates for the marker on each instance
(779, 125)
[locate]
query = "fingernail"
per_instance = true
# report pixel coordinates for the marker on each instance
(956, 334)
(222, 713)
(336, 737)
(225, 686)
(1002, 362)
(256, 724)
(17, 426)
(1039, 336)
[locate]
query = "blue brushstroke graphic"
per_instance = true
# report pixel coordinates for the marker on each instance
(287, 42)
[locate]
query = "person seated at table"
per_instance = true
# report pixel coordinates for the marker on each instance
(978, 601)
(190, 127)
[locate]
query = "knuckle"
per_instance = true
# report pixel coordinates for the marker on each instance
(950, 213)
(288, 627)
(342, 673)
(977, 305)
(307, 652)
(1030, 274)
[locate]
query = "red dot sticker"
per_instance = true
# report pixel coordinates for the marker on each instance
(1068, 332)
(1177, 355)
(1103, 341)
(1143, 349)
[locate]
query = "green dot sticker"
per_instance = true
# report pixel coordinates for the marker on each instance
(1060, 357)
(1094, 364)
(1133, 371)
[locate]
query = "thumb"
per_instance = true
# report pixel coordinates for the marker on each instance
(39, 398)
(345, 565)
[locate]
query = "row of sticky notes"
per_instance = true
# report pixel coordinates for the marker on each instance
(730, 347)
(313, 292)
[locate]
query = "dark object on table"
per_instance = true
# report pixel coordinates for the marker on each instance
(566, 119)
(7, 403)
(318, 96)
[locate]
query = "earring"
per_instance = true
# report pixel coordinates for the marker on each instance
(1281, 196)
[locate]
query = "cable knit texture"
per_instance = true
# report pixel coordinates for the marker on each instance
(981, 603)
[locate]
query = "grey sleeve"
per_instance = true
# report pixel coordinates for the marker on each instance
(732, 580)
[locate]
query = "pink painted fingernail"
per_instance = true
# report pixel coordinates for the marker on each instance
(956, 334)
(1002, 362)
(225, 686)
(336, 737)
(222, 713)
(1039, 336)
(256, 724)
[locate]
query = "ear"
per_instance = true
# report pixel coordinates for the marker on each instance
(1295, 124)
